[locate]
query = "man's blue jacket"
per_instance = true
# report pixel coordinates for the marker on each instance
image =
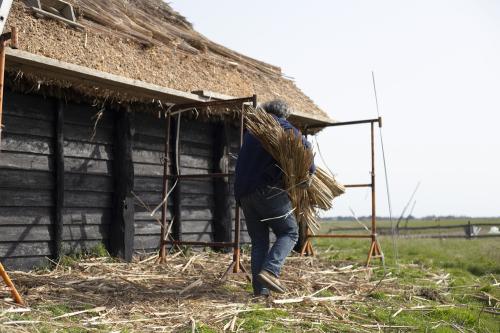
(256, 167)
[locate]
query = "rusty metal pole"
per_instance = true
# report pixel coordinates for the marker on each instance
(164, 210)
(15, 294)
(374, 225)
(237, 217)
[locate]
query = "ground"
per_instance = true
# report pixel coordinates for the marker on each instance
(436, 285)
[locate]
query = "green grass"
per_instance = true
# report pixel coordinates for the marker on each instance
(473, 267)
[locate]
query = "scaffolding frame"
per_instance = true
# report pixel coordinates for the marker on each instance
(235, 266)
(375, 250)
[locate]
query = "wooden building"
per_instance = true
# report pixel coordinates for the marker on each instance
(82, 150)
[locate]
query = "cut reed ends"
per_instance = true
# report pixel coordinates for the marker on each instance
(286, 147)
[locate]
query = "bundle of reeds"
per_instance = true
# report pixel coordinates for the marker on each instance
(294, 159)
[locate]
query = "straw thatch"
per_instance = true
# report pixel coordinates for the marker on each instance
(295, 159)
(148, 41)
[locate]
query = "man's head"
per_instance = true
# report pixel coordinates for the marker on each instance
(277, 107)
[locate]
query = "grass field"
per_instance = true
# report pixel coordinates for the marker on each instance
(473, 267)
(426, 285)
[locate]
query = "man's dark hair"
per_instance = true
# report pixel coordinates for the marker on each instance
(277, 107)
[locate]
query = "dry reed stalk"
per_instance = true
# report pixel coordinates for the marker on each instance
(295, 160)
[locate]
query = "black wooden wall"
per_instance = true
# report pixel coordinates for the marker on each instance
(26, 180)
(66, 162)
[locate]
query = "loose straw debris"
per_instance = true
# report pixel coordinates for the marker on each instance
(295, 159)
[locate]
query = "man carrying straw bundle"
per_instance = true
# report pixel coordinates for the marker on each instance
(260, 190)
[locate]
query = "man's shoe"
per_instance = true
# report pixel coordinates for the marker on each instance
(270, 281)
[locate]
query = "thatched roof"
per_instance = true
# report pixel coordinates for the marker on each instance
(147, 40)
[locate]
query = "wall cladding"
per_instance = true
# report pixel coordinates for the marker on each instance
(45, 139)
(26, 180)
(88, 176)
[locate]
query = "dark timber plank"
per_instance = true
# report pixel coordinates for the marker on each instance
(22, 179)
(87, 215)
(25, 249)
(88, 166)
(88, 150)
(88, 199)
(21, 198)
(86, 134)
(25, 233)
(19, 125)
(24, 215)
(59, 195)
(84, 232)
(26, 161)
(88, 182)
(28, 106)
(27, 144)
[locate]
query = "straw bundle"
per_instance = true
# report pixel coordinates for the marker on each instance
(294, 159)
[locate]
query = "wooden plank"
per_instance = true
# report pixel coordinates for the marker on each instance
(189, 227)
(86, 199)
(86, 115)
(22, 179)
(25, 249)
(59, 194)
(19, 125)
(191, 214)
(147, 142)
(25, 233)
(24, 215)
(86, 134)
(197, 237)
(187, 200)
(21, 198)
(27, 144)
(29, 62)
(144, 183)
(88, 150)
(87, 182)
(146, 243)
(26, 161)
(147, 228)
(28, 106)
(77, 232)
(98, 216)
(88, 166)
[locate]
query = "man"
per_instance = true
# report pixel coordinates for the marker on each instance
(259, 190)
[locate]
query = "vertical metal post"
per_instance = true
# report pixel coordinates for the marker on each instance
(237, 217)
(164, 210)
(374, 226)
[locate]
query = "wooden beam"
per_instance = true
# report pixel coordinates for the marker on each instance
(59, 180)
(37, 64)
(121, 232)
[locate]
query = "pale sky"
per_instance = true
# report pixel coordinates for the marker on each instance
(437, 69)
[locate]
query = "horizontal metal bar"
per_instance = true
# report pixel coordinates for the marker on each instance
(358, 185)
(211, 103)
(204, 175)
(221, 244)
(355, 122)
(340, 236)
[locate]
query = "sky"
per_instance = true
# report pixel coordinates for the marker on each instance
(437, 72)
